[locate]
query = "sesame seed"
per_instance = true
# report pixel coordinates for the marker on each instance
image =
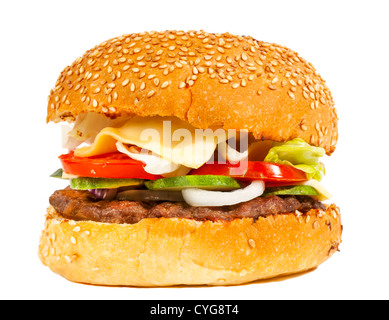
(165, 84)
(95, 103)
(251, 243)
(125, 82)
(73, 240)
(291, 95)
(182, 85)
(150, 94)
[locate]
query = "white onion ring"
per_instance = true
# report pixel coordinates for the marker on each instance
(154, 163)
(203, 198)
(231, 154)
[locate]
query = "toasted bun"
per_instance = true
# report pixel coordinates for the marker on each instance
(205, 79)
(166, 252)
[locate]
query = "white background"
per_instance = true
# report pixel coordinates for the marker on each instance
(347, 41)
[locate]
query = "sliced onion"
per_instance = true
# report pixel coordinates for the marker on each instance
(204, 198)
(257, 151)
(104, 194)
(231, 154)
(149, 195)
(154, 163)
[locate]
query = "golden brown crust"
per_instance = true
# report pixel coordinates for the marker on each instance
(166, 252)
(202, 78)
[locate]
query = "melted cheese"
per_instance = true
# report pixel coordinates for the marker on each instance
(86, 128)
(323, 193)
(172, 139)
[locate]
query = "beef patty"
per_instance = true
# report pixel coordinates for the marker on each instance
(82, 205)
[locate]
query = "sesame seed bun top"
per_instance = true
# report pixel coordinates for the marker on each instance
(206, 79)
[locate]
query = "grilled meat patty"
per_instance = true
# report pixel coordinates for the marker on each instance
(82, 205)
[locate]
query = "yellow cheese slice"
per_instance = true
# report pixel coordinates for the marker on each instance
(172, 139)
(324, 194)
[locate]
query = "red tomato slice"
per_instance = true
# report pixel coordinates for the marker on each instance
(112, 165)
(271, 173)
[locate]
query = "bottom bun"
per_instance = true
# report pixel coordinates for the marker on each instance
(170, 251)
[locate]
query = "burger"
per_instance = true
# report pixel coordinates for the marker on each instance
(192, 158)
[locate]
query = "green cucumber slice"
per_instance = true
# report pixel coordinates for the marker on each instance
(291, 190)
(208, 182)
(102, 183)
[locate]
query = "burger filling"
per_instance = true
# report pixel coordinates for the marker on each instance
(131, 168)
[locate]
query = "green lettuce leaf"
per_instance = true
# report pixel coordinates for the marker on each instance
(299, 154)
